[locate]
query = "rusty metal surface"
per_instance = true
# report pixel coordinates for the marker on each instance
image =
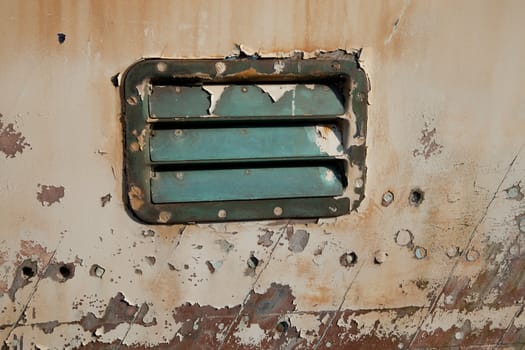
(433, 258)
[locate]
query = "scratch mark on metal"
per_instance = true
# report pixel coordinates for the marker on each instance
(33, 292)
(469, 242)
(228, 332)
(396, 24)
(343, 299)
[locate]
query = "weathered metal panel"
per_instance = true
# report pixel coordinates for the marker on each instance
(242, 143)
(445, 117)
(243, 184)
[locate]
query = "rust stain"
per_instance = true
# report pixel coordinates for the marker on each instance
(50, 194)
(30, 249)
(11, 141)
(118, 311)
(429, 146)
(246, 74)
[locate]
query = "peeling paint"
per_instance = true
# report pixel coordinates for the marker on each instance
(11, 141)
(50, 194)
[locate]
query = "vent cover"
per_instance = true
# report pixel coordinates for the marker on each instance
(244, 139)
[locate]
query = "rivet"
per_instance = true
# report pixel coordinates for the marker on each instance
(178, 89)
(452, 252)
(132, 100)
(514, 250)
(348, 259)
(420, 252)
(278, 211)
(404, 237)
(459, 335)
(222, 213)
(29, 270)
(97, 270)
(416, 197)
(449, 299)
(388, 198)
(164, 217)
(179, 175)
(359, 182)
(178, 132)
(162, 66)
(472, 255)
(513, 192)
(282, 326)
(380, 257)
(244, 89)
(252, 262)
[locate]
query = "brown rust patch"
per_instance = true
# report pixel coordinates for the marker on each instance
(117, 311)
(50, 194)
(346, 333)
(11, 141)
(463, 335)
(136, 197)
(266, 310)
(429, 146)
(245, 74)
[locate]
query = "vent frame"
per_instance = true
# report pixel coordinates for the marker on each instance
(137, 124)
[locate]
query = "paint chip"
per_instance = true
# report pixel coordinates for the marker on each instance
(50, 194)
(11, 141)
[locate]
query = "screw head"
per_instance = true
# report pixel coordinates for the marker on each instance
(162, 66)
(420, 253)
(388, 198)
(252, 262)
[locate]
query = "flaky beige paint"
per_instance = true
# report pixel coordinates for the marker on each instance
(446, 115)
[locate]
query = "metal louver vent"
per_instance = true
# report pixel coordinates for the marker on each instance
(244, 139)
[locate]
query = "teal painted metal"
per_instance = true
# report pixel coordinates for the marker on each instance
(303, 100)
(245, 143)
(184, 101)
(149, 89)
(245, 101)
(245, 184)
